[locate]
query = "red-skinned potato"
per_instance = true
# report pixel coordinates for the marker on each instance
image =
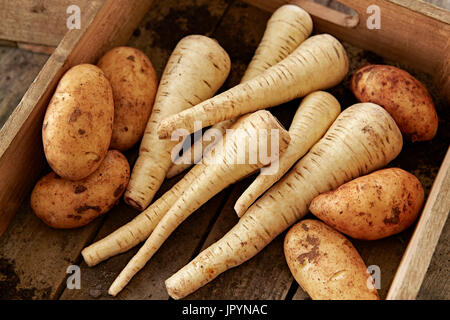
(63, 204)
(372, 207)
(402, 95)
(326, 264)
(78, 122)
(134, 84)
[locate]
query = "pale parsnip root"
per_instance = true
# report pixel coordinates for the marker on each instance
(315, 115)
(363, 138)
(223, 169)
(286, 29)
(138, 230)
(196, 69)
(199, 148)
(320, 62)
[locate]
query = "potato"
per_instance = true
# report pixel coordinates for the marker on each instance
(325, 264)
(134, 85)
(78, 122)
(374, 206)
(402, 95)
(62, 203)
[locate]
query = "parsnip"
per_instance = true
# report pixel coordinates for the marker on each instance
(288, 26)
(245, 150)
(315, 115)
(138, 229)
(196, 69)
(318, 63)
(363, 138)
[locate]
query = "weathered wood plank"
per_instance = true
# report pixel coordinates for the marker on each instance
(440, 3)
(149, 282)
(415, 158)
(396, 37)
(22, 160)
(159, 32)
(18, 69)
(340, 7)
(37, 22)
(436, 284)
(34, 258)
(266, 276)
(20, 136)
(430, 8)
(418, 254)
(37, 48)
(30, 282)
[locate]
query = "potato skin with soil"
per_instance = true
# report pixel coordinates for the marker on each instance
(134, 84)
(372, 207)
(78, 122)
(402, 95)
(63, 204)
(326, 264)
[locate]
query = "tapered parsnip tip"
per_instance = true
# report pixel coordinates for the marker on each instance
(172, 291)
(163, 131)
(133, 203)
(176, 169)
(239, 209)
(173, 171)
(119, 283)
(112, 291)
(88, 257)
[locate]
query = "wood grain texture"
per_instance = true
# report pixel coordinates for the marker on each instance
(27, 281)
(149, 282)
(430, 8)
(418, 254)
(397, 37)
(266, 276)
(34, 257)
(36, 48)
(18, 69)
(20, 136)
(38, 22)
(436, 284)
(250, 280)
(150, 36)
(414, 158)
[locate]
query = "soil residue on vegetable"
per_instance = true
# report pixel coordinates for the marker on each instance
(313, 255)
(394, 219)
(119, 190)
(75, 114)
(86, 207)
(80, 189)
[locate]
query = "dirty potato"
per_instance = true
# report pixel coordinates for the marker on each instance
(78, 122)
(134, 85)
(325, 264)
(62, 203)
(374, 206)
(402, 95)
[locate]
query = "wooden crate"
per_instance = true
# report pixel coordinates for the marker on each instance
(22, 161)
